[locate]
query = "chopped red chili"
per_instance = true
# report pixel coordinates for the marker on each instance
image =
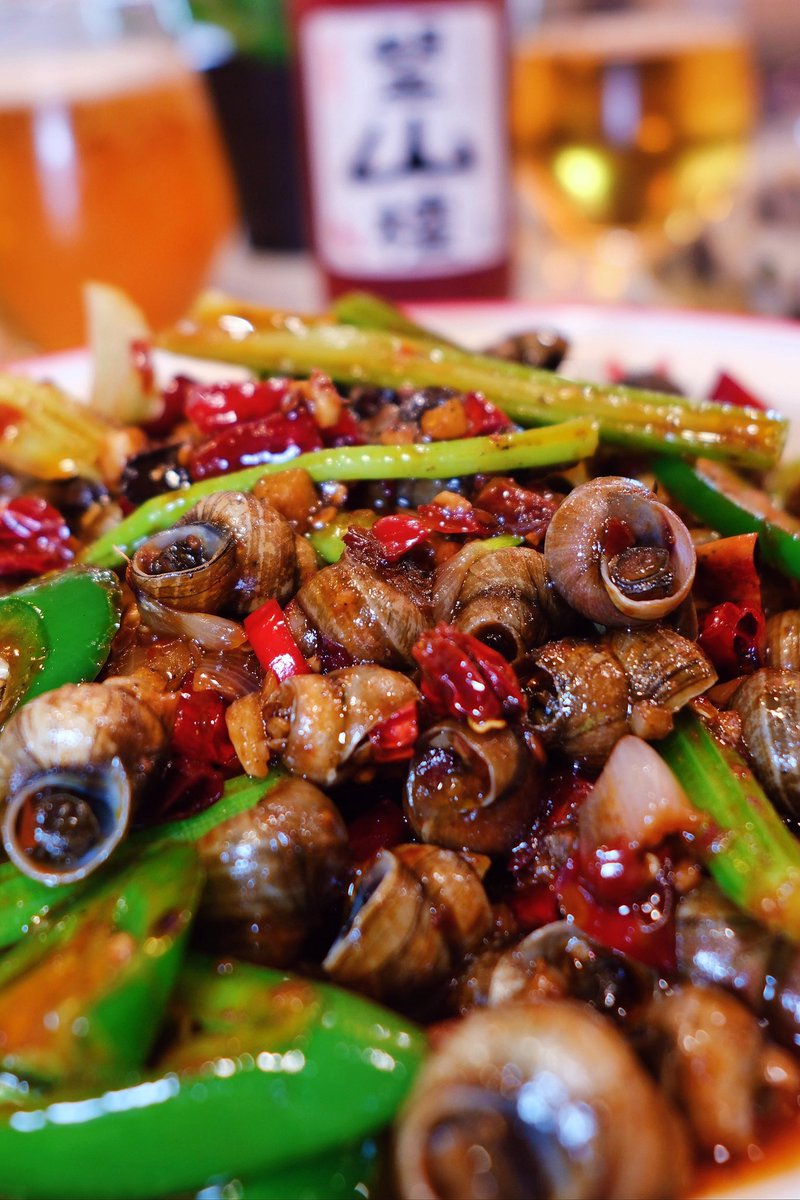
(173, 397)
(394, 739)
(200, 732)
(483, 417)
(185, 786)
(458, 519)
(462, 677)
(732, 635)
(727, 390)
(279, 436)
(517, 509)
(216, 406)
(34, 537)
(398, 534)
(381, 826)
(273, 642)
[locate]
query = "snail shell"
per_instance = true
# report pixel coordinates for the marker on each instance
(232, 551)
(768, 703)
(503, 598)
(578, 698)
(617, 555)
(71, 764)
(662, 667)
(471, 791)
(275, 875)
(538, 1100)
(416, 912)
(350, 605)
(782, 640)
(323, 721)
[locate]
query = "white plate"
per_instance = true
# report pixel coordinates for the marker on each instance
(761, 353)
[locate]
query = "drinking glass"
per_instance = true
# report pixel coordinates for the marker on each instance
(631, 116)
(110, 163)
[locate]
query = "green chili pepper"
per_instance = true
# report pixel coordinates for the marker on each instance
(344, 1174)
(81, 997)
(329, 541)
(281, 1070)
(502, 452)
(749, 851)
(23, 649)
(80, 609)
(628, 417)
(719, 497)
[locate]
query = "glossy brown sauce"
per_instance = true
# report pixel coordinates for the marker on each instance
(776, 1154)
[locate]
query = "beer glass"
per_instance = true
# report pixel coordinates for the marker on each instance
(631, 115)
(110, 163)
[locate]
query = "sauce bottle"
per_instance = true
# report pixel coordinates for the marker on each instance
(406, 144)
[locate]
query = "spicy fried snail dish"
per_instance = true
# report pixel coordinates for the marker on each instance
(399, 772)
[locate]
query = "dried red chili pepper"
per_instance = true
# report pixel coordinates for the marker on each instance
(458, 519)
(186, 786)
(727, 390)
(213, 407)
(732, 635)
(34, 537)
(173, 397)
(278, 436)
(462, 677)
(200, 732)
(517, 508)
(726, 570)
(398, 534)
(483, 417)
(346, 432)
(394, 739)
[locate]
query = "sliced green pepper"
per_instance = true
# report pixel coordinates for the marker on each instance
(80, 609)
(727, 503)
(81, 997)
(283, 1070)
(347, 1173)
(23, 649)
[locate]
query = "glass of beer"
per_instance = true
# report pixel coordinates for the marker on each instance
(631, 116)
(111, 167)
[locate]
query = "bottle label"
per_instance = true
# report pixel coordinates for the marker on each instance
(406, 125)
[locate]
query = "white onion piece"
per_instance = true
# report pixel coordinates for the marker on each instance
(234, 675)
(637, 800)
(212, 632)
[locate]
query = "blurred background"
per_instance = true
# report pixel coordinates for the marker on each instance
(632, 151)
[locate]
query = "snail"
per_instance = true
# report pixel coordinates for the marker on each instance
(231, 552)
(718, 943)
(72, 763)
(471, 791)
(504, 598)
(352, 606)
(711, 1058)
(782, 640)
(416, 912)
(584, 696)
(318, 724)
(560, 961)
(768, 703)
(531, 1100)
(617, 555)
(275, 875)
(543, 348)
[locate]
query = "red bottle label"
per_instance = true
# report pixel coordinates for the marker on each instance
(407, 141)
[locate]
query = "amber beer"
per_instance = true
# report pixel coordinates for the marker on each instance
(110, 169)
(636, 120)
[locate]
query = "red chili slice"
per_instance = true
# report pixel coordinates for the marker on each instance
(398, 534)
(462, 677)
(394, 739)
(280, 436)
(727, 390)
(461, 519)
(273, 642)
(34, 537)
(483, 417)
(516, 508)
(200, 731)
(213, 407)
